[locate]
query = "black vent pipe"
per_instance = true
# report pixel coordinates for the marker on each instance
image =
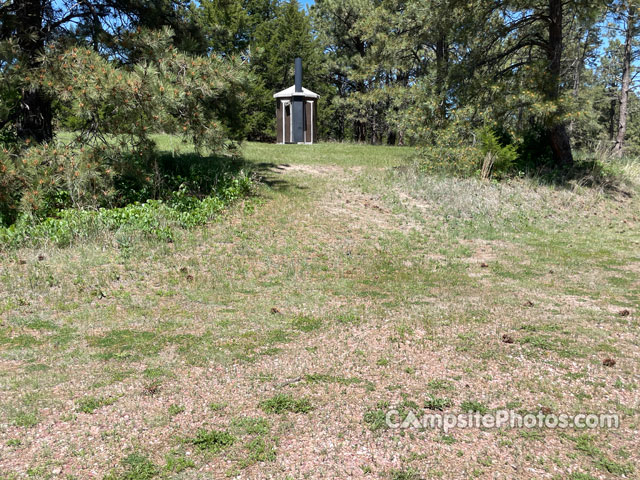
(298, 74)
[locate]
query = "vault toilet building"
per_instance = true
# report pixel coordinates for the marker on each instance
(296, 112)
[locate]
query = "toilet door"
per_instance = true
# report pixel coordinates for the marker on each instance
(286, 135)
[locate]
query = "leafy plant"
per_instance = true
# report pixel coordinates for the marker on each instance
(375, 418)
(153, 218)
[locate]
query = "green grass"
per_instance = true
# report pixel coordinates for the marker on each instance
(177, 462)
(341, 154)
(375, 418)
(283, 403)
(259, 450)
(251, 425)
(473, 406)
(306, 324)
(212, 441)
(175, 409)
(438, 403)
(135, 467)
(90, 404)
(409, 474)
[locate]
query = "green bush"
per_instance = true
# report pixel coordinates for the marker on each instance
(451, 153)
(498, 159)
(462, 151)
(154, 218)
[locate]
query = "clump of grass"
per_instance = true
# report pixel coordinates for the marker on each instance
(217, 406)
(474, 407)
(437, 403)
(376, 418)
(282, 403)
(212, 441)
(581, 476)
(586, 444)
(446, 439)
(90, 404)
(135, 467)
(259, 450)
(26, 419)
(175, 409)
(156, 372)
(306, 324)
(324, 378)
(251, 425)
(440, 385)
(409, 474)
(177, 462)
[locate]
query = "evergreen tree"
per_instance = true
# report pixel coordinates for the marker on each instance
(268, 34)
(27, 26)
(627, 16)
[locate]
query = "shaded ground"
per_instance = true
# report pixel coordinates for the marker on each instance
(271, 344)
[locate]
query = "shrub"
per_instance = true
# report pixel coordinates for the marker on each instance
(154, 218)
(498, 159)
(453, 152)
(462, 151)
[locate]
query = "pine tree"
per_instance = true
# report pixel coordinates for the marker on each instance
(28, 26)
(627, 14)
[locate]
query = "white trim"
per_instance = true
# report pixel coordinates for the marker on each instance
(284, 104)
(291, 92)
(284, 122)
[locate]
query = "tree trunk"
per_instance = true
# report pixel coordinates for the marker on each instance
(577, 73)
(442, 67)
(626, 83)
(558, 136)
(34, 118)
(612, 117)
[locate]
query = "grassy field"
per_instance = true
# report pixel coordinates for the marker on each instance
(271, 343)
